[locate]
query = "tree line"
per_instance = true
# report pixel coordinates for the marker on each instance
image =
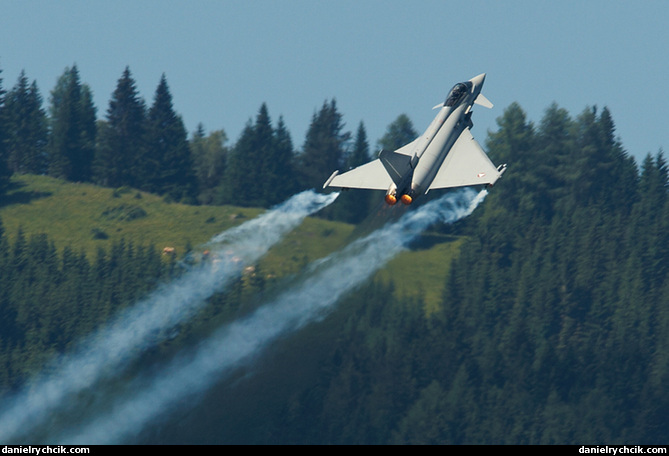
(148, 148)
(133, 146)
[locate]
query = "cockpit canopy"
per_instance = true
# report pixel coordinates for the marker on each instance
(457, 93)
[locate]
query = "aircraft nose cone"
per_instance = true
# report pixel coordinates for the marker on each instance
(478, 80)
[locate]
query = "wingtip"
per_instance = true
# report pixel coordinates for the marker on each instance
(327, 182)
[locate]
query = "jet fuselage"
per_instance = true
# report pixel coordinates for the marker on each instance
(445, 156)
(433, 146)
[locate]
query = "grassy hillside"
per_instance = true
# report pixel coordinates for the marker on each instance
(86, 217)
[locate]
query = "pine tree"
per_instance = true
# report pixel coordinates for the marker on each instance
(603, 172)
(514, 144)
(242, 183)
(324, 147)
(262, 157)
(648, 230)
(555, 146)
(259, 170)
(279, 173)
(166, 167)
(72, 128)
(83, 169)
(27, 128)
(121, 144)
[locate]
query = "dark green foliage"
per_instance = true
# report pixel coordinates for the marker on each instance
(83, 168)
(50, 300)
(280, 171)
(260, 168)
(27, 128)
(72, 137)
(121, 143)
(558, 311)
(324, 147)
(166, 167)
(132, 147)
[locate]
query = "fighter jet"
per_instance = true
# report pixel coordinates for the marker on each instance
(445, 156)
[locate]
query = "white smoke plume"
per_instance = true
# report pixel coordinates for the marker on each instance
(109, 350)
(235, 344)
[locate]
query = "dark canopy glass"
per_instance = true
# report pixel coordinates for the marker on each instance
(457, 93)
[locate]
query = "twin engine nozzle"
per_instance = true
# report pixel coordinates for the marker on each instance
(391, 198)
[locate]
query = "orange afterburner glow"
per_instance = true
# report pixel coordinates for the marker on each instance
(391, 199)
(406, 199)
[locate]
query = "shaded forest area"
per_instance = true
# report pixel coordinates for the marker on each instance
(49, 301)
(553, 328)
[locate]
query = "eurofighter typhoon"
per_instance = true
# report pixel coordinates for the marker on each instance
(445, 156)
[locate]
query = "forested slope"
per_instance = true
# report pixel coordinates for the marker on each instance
(557, 309)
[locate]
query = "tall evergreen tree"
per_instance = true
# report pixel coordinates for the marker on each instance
(262, 141)
(83, 170)
(121, 143)
(360, 153)
(621, 183)
(595, 155)
(72, 136)
(280, 179)
(555, 145)
(62, 114)
(324, 147)
(514, 143)
(27, 129)
(242, 183)
(259, 171)
(166, 167)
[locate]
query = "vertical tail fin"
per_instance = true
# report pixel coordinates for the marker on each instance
(397, 165)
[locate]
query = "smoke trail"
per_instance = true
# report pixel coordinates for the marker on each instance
(237, 342)
(110, 349)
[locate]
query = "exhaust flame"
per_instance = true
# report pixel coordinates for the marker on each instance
(107, 352)
(235, 344)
